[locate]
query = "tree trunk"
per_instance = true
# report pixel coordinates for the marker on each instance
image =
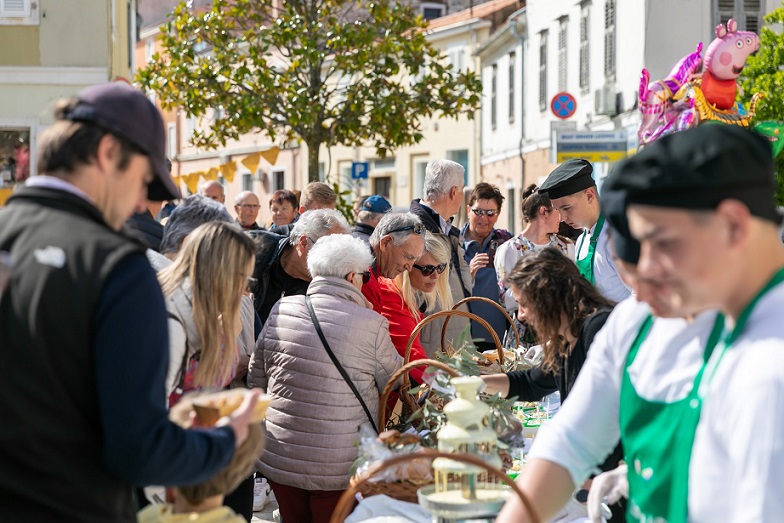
(313, 161)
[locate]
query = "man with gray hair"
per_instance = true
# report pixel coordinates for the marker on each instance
(282, 261)
(397, 242)
(443, 190)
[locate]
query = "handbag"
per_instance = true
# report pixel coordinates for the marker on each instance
(337, 363)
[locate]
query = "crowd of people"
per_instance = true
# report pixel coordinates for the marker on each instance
(657, 324)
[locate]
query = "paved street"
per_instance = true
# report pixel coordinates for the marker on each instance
(265, 515)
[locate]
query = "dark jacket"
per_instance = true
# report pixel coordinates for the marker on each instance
(83, 314)
(269, 247)
(151, 230)
(362, 231)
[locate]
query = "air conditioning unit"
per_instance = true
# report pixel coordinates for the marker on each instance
(605, 101)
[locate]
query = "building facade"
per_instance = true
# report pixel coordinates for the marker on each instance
(50, 49)
(593, 50)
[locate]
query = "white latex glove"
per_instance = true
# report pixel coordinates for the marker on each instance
(572, 511)
(607, 488)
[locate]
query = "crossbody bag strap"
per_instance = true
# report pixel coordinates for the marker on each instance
(337, 363)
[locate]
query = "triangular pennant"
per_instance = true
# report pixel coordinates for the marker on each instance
(271, 154)
(227, 170)
(192, 181)
(211, 174)
(251, 162)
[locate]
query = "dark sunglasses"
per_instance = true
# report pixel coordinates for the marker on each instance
(365, 277)
(485, 212)
(427, 270)
(418, 229)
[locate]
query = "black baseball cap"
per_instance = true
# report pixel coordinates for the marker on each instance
(570, 177)
(698, 168)
(127, 113)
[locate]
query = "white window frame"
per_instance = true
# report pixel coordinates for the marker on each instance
(511, 70)
(27, 15)
(171, 140)
(494, 96)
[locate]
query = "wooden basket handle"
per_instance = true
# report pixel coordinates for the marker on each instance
(495, 304)
(498, 345)
(382, 400)
(346, 501)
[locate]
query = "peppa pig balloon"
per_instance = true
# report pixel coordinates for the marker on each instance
(659, 112)
(724, 60)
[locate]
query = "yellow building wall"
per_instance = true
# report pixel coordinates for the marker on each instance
(19, 45)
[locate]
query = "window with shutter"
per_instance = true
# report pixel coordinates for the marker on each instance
(584, 55)
(18, 12)
(748, 13)
(512, 77)
(562, 32)
(609, 39)
(494, 96)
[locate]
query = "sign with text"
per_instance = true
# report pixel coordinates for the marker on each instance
(594, 146)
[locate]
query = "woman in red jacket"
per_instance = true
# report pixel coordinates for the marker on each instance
(406, 298)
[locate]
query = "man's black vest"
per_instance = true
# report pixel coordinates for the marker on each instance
(51, 442)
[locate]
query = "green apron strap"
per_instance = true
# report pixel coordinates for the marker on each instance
(585, 264)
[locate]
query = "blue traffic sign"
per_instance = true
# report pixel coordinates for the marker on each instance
(359, 170)
(563, 105)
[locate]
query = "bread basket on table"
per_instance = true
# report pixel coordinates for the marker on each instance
(346, 502)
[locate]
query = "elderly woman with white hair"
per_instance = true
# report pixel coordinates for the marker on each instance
(311, 425)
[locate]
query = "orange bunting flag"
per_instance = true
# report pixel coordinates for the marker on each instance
(192, 181)
(211, 174)
(271, 154)
(227, 170)
(251, 162)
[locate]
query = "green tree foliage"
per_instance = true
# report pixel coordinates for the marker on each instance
(324, 72)
(763, 73)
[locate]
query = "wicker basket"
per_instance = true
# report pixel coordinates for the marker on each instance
(405, 397)
(346, 502)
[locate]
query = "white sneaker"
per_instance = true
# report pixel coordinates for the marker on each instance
(261, 490)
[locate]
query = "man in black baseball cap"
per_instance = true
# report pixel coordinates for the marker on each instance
(83, 314)
(573, 193)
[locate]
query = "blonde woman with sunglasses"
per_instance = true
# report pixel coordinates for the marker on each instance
(406, 298)
(203, 290)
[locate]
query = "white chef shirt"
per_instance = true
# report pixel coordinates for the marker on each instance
(736, 471)
(605, 275)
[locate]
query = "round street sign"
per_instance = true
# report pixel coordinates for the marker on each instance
(563, 105)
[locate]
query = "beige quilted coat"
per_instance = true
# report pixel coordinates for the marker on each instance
(311, 426)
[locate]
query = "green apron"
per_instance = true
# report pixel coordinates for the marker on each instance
(585, 265)
(658, 437)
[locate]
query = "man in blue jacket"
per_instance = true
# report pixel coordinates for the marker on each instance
(83, 332)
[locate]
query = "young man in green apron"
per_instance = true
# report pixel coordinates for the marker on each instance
(572, 191)
(700, 415)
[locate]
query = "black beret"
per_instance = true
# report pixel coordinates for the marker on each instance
(699, 168)
(614, 211)
(570, 177)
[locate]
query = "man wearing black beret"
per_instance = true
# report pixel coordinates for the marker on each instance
(572, 191)
(698, 412)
